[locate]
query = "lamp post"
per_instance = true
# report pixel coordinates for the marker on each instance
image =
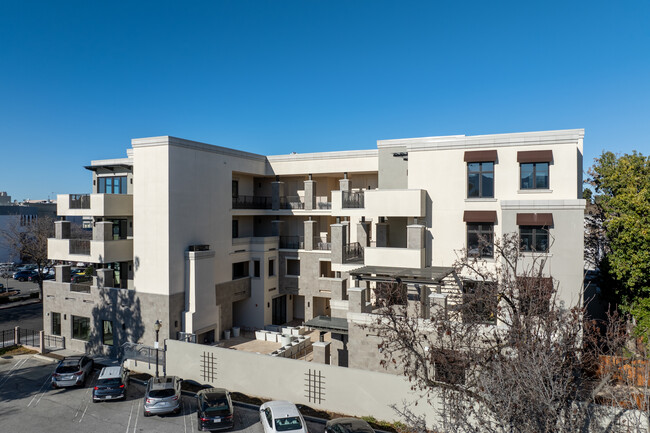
(156, 327)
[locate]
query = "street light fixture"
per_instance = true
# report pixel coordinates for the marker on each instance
(156, 327)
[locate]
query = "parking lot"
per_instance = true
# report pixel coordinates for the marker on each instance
(29, 404)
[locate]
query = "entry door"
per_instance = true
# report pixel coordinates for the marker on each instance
(279, 310)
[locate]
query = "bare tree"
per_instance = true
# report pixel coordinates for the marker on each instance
(28, 241)
(505, 356)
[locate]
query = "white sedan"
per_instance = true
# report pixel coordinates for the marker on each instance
(281, 416)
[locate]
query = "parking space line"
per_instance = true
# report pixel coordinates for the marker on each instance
(137, 416)
(130, 414)
(47, 379)
(18, 365)
(184, 420)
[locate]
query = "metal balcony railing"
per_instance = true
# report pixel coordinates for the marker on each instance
(322, 203)
(79, 201)
(80, 246)
(352, 200)
(291, 202)
(251, 202)
(353, 253)
(292, 242)
(322, 244)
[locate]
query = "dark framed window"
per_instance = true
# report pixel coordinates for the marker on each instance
(111, 185)
(235, 229)
(235, 188)
(450, 367)
(293, 267)
(107, 332)
(56, 323)
(240, 270)
(534, 175)
(534, 295)
(80, 328)
(480, 179)
(480, 239)
(256, 268)
(480, 300)
(533, 238)
(271, 267)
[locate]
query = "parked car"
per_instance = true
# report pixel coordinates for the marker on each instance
(348, 425)
(72, 371)
(281, 416)
(214, 409)
(24, 275)
(35, 278)
(163, 395)
(112, 383)
(80, 278)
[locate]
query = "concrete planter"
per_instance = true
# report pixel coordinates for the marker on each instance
(261, 335)
(285, 340)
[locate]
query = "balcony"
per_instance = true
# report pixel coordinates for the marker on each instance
(89, 251)
(106, 205)
(292, 242)
(291, 202)
(388, 202)
(251, 202)
(335, 287)
(353, 253)
(395, 257)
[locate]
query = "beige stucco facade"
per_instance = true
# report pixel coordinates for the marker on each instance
(217, 238)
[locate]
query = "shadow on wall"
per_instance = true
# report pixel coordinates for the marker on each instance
(117, 320)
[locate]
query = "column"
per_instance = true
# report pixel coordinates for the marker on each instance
(311, 233)
(62, 229)
(345, 184)
(363, 233)
(321, 352)
(103, 231)
(339, 241)
(310, 194)
(415, 236)
(382, 230)
(277, 191)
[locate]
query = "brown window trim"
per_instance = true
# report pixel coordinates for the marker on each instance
(529, 156)
(480, 156)
(535, 219)
(480, 216)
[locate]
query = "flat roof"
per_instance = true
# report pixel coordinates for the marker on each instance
(336, 325)
(430, 275)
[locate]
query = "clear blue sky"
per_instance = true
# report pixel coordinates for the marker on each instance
(79, 79)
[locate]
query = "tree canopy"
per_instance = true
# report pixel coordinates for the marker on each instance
(622, 185)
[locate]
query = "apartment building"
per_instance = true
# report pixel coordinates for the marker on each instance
(203, 238)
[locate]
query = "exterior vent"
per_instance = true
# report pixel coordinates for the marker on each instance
(199, 248)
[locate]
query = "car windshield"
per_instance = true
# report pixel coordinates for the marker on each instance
(67, 369)
(161, 393)
(286, 424)
(115, 381)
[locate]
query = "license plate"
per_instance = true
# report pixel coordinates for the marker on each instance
(108, 397)
(69, 377)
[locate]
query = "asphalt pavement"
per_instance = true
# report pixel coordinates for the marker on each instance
(26, 316)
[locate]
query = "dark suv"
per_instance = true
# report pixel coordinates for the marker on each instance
(214, 409)
(111, 384)
(72, 371)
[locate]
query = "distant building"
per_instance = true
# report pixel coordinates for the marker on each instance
(22, 214)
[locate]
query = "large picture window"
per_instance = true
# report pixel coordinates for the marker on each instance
(534, 175)
(80, 328)
(480, 180)
(111, 185)
(240, 270)
(533, 238)
(480, 239)
(107, 332)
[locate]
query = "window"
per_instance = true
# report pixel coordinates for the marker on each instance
(56, 323)
(449, 367)
(533, 238)
(256, 268)
(111, 185)
(480, 239)
(271, 267)
(235, 188)
(80, 328)
(239, 270)
(235, 229)
(534, 295)
(479, 302)
(480, 179)
(534, 175)
(293, 267)
(107, 332)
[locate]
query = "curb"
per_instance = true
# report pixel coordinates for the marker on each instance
(44, 358)
(20, 303)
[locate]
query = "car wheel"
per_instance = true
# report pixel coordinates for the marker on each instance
(147, 414)
(21, 279)
(94, 401)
